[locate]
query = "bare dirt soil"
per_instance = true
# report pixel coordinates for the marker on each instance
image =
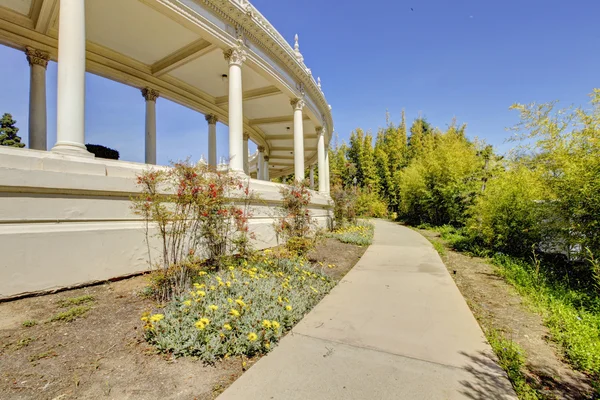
(102, 353)
(495, 304)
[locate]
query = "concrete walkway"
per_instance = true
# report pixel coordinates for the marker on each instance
(396, 327)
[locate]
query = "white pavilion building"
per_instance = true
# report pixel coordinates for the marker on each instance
(65, 216)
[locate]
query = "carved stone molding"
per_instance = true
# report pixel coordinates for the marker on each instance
(150, 94)
(261, 149)
(320, 130)
(297, 104)
(246, 136)
(211, 119)
(37, 57)
(266, 158)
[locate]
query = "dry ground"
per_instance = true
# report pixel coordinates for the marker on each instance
(103, 355)
(496, 304)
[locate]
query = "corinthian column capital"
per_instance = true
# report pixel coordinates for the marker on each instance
(211, 119)
(150, 94)
(37, 57)
(236, 55)
(297, 104)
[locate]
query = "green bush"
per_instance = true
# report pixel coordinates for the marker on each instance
(344, 205)
(102, 151)
(509, 216)
(242, 310)
(370, 205)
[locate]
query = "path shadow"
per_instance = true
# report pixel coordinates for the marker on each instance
(489, 381)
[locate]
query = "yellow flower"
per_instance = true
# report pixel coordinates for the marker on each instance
(252, 336)
(267, 345)
(228, 284)
(202, 273)
(275, 324)
(231, 268)
(240, 303)
(212, 307)
(221, 283)
(230, 300)
(145, 319)
(200, 325)
(266, 324)
(288, 308)
(234, 312)
(205, 321)
(314, 290)
(187, 303)
(157, 317)
(201, 293)
(279, 299)
(227, 327)
(212, 287)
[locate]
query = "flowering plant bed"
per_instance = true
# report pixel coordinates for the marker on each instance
(240, 310)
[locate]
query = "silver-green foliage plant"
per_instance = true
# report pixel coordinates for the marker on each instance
(241, 310)
(360, 234)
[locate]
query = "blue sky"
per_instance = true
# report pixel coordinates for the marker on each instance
(469, 59)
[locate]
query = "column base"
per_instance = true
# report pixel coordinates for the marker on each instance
(72, 149)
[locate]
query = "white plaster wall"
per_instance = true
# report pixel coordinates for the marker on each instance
(66, 221)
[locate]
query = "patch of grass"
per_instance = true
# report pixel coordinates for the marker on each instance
(360, 234)
(46, 354)
(439, 247)
(24, 342)
(71, 314)
(242, 310)
(75, 301)
(29, 323)
(512, 360)
(573, 316)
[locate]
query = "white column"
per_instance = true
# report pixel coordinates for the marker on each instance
(266, 176)
(38, 61)
(312, 177)
(246, 166)
(236, 57)
(321, 159)
(70, 132)
(327, 184)
(150, 127)
(260, 164)
(212, 141)
(298, 105)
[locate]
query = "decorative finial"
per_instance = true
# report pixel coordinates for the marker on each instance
(319, 82)
(297, 49)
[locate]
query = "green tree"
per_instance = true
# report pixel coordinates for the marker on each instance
(8, 132)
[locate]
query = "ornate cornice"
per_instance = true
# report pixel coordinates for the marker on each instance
(211, 119)
(150, 94)
(255, 27)
(297, 104)
(236, 55)
(37, 57)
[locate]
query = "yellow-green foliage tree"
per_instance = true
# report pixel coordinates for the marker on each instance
(442, 177)
(566, 150)
(511, 215)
